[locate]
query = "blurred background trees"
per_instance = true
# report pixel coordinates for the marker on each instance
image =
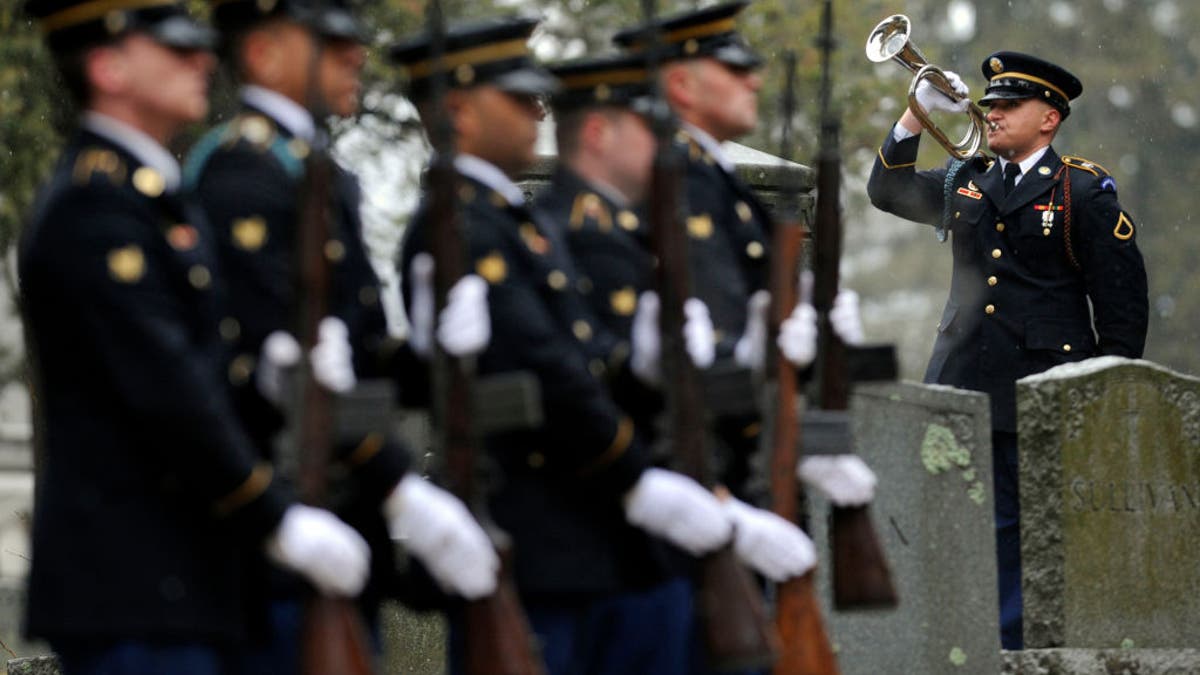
(1137, 117)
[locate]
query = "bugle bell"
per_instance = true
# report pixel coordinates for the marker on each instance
(890, 40)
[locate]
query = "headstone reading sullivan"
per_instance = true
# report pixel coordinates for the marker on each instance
(931, 447)
(1110, 500)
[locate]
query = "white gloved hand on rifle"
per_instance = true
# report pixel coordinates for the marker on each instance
(770, 545)
(845, 480)
(331, 359)
(678, 509)
(646, 358)
(440, 531)
(931, 99)
(318, 546)
(464, 326)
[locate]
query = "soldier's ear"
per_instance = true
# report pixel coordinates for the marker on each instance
(106, 68)
(1051, 118)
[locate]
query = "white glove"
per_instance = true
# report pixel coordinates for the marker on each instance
(845, 480)
(751, 349)
(280, 351)
(932, 99)
(464, 325)
(317, 545)
(845, 317)
(769, 544)
(420, 313)
(698, 333)
(333, 357)
(442, 533)
(676, 508)
(798, 335)
(646, 358)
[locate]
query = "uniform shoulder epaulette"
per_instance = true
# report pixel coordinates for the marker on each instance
(589, 209)
(1085, 165)
(96, 161)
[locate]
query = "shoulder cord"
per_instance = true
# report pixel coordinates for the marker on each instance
(947, 192)
(1070, 249)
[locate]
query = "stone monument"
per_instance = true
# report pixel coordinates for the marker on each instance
(931, 447)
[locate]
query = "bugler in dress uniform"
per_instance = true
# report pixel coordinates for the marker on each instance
(1028, 261)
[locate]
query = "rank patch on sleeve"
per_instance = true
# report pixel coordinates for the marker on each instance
(1124, 228)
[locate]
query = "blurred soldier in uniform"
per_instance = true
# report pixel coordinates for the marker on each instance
(1036, 238)
(570, 489)
(151, 497)
(248, 174)
(606, 149)
(710, 79)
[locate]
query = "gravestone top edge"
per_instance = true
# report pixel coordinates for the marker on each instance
(1096, 365)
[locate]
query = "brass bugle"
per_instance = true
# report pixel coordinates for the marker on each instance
(890, 40)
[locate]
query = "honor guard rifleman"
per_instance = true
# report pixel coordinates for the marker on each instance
(151, 497)
(569, 490)
(249, 174)
(710, 77)
(1036, 237)
(606, 148)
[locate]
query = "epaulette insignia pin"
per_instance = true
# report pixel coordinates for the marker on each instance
(98, 161)
(149, 182)
(492, 267)
(249, 234)
(127, 264)
(623, 301)
(700, 227)
(182, 237)
(1108, 183)
(1124, 228)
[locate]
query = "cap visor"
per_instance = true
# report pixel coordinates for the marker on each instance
(180, 32)
(738, 56)
(532, 81)
(1004, 95)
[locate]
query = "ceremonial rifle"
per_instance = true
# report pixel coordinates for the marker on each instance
(736, 632)
(861, 577)
(805, 645)
(497, 638)
(334, 637)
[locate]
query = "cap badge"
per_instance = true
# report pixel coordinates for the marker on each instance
(996, 64)
(115, 22)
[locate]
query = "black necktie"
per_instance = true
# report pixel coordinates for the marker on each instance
(1011, 171)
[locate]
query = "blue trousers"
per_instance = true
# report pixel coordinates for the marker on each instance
(642, 633)
(138, 657)
(280, 655)
(1008, 537)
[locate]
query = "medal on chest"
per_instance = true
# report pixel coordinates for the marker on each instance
(1048, 210)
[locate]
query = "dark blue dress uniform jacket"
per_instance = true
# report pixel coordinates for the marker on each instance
(1018, 305)
(729, 232)
(149, 494)
(559, 486)
(248, 174)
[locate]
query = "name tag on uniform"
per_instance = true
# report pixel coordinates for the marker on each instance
(970, 193)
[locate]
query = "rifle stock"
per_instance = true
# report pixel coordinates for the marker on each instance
(333, 636)
(497, 637)
(805, 644)
(860, 572)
